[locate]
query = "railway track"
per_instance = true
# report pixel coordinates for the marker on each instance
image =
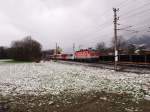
(140, 68)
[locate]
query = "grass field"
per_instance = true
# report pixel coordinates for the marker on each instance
(9, 61)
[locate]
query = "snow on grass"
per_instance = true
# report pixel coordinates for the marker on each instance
(53, 78)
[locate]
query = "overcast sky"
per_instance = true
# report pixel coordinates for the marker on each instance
(83, 22)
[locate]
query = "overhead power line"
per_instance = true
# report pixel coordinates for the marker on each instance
(136, 9)
(123, 3)
(135, 14)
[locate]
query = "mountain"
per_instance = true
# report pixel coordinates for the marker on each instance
(145, 39)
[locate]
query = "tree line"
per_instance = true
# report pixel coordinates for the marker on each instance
(126, 46)
(26, 49)
(29, 49)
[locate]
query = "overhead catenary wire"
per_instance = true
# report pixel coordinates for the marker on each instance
(138, 28)
(137, 8)
(123, 3)
(134, 14)
(109, 23)
(131, 15)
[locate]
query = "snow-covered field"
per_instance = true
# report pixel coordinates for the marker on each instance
(53, 78)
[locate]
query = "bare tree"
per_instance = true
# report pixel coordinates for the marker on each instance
(101, 47)
(131, 49)
(121, 44)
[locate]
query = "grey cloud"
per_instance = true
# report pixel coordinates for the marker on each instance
(83, 22)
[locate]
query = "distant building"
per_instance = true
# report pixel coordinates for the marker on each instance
(47, 53)
(146, 51)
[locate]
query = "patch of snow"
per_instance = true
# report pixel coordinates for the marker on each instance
(147, 97)
(54, 78)
(103, 98)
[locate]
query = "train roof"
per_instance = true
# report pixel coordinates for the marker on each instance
(87, 50)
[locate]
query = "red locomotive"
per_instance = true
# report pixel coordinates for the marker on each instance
(86, 55)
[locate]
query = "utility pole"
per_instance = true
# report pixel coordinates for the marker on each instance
(73, 50)
(56, 48)
(56, 52)
(73, 47)
(115, 37)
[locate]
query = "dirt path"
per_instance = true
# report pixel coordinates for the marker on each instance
(87, 102)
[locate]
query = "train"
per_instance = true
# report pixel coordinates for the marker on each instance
(84, 55)
(87, 55)
(90, 55)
